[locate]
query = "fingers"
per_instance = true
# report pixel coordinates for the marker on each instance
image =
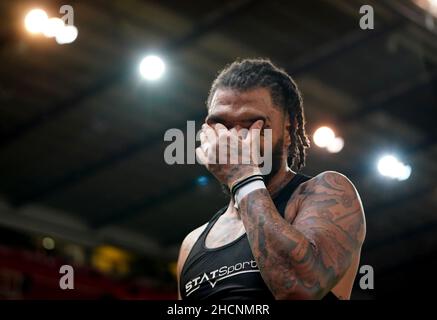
(203, 142)
(254, 139)
(233, 131)
(201, 156)
(219, 128)
(202, 137)
(242, 133)
(223, 142)
(210, 134)
(240, 144)
(255, 130)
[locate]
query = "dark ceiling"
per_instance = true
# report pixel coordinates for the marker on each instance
(81, 138)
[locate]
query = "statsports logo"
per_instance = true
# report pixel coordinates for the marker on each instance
(220, 274)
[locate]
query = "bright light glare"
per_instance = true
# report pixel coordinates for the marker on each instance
(48, 243)
(323, 136)
(35, 20)
(335, 145)
(152, 67)
(390, 166)
(67, 35)
(53, 27)
(202, 181)
(404, 173)
(387, 166)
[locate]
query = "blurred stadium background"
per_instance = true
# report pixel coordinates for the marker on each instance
(82, 175)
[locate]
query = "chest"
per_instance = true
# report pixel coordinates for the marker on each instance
(224, 231)
(228, 228)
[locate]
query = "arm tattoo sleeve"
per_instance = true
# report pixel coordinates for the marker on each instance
(304, 259)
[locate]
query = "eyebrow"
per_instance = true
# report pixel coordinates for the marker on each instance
(252, 119)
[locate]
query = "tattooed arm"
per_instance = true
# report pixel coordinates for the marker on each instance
(306, 258)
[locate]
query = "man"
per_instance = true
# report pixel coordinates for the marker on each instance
(283, 235)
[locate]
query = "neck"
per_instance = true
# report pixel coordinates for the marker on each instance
(279, 180)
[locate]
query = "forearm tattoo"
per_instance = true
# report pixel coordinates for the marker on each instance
(304, 258)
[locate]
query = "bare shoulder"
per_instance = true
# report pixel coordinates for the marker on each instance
(330, 180)
(331, 196)
(187, 245)
(184, 251)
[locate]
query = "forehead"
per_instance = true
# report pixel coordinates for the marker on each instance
(258, 98)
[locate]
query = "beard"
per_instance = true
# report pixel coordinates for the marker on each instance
(277, 160)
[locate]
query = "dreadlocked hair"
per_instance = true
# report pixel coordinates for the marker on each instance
(247, 74)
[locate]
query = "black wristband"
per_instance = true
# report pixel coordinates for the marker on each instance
(245, 181)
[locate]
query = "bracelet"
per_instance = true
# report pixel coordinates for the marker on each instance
(244, 181)
(246, 189)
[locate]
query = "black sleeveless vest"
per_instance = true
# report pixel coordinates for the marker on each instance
(229, 272)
